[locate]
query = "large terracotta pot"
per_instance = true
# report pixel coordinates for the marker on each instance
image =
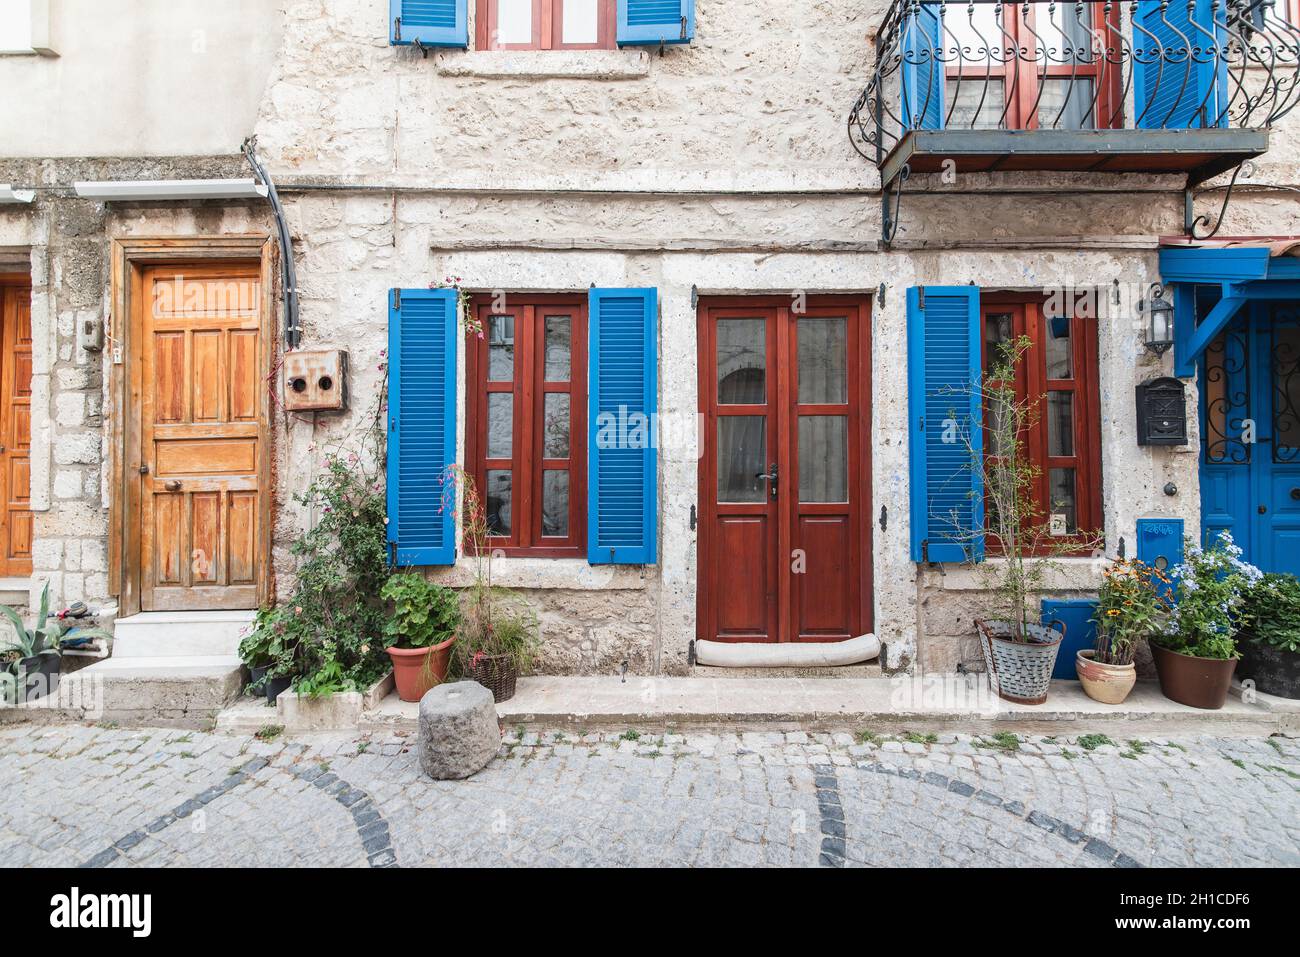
(1274, 670)
(1019, 671)
(416, 670)
(1195, 682)
(1109, 684)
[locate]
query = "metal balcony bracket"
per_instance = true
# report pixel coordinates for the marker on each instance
(1197, 226)
(891, 200)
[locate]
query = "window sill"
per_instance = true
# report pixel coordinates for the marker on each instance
(571, 574)
(546, 64)
(1071, 574)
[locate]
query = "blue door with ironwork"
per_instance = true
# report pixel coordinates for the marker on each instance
(1250, 435)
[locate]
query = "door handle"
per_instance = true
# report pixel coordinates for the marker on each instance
(144, 470)
(772, 477)
(1263, 510)
(1295, 495)
(172, 486)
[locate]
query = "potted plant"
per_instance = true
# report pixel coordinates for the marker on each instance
(1270, 641)
(269, 650)
(419, 632)
(1130, 609)
(34, 656)
(1196, 656)
(499, 634)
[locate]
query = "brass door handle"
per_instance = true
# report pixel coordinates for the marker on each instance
(173, 486)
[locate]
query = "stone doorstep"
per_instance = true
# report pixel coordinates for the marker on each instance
(180, 634)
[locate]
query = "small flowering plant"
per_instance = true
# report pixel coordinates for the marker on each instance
(465, 305)
(1132, 606)
(1211, 586)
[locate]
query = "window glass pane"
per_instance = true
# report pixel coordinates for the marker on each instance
(501, 348)
(559, 348)
(823, 458)
(1062, 512)
(822, 361)
(976, 103)
(742, 455)
(1076, 113)
(514, 21)
(1286, 390)
(555, 504)
(1060, 423)
(500, 424)
(1060, 351)
(579, 21)
(973, 32)
(1064, 34)
(742, 361)
(496, 501)
(555, 426)
(997, 332)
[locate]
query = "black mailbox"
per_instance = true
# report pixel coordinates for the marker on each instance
(1162, 412)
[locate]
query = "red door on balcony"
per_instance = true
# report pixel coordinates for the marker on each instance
(785, 535)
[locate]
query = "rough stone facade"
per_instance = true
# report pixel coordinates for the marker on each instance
(721, 167)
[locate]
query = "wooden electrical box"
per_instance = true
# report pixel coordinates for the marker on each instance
(316, 381)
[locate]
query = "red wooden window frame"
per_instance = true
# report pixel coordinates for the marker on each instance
(548, 27)
(529, 387)
(1021, 77)
(1027, 314)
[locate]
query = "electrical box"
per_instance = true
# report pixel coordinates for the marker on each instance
(1161, 412)
(316, 381)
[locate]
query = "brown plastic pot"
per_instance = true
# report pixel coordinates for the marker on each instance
(1109, 684)
(416, 670)
(1195, 682)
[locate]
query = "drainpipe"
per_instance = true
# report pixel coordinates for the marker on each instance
(289, 272)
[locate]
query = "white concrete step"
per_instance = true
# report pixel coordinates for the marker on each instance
(15, 592)
(172, 691)
(180, 634)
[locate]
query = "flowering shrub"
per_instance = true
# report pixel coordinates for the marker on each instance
(1273, 612)
(1130, 608)
(1211, 586)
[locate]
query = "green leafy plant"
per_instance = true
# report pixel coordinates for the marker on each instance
(1272, 612)
(1211, 586)
(424, 613)
(1130, 607)
(43, 639)
(273, 642)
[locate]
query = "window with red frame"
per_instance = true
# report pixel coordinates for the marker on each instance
(1059, 372)
(546, 25)
(526, 424)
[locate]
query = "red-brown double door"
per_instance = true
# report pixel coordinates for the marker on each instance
(785, 534)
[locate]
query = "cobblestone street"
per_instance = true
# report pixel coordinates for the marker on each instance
(113, 797)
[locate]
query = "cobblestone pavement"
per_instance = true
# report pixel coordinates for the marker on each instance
(112, 797)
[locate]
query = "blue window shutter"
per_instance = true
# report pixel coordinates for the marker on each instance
(943, 360)
(655, 21)
(435, 23)
(622, 387)
(921, 97)
(421, 425)
(1178, 80)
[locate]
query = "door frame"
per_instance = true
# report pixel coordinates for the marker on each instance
(129, 258)
(11, 283)
(707, 470)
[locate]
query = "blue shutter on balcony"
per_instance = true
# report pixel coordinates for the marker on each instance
(421, 425)
(921, 97)
(946, 423)
(434, 23)
(622, 460)
(1179, 71)
(655, 21)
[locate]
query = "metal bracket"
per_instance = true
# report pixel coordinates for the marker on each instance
(884, 518)
(397, 29)
(397, 299)
(1193, 224)
(695, 297)
(694, 518)
(889, 206)
(920, 298)
(880, 296)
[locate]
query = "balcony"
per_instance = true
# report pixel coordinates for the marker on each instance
(1152, 86)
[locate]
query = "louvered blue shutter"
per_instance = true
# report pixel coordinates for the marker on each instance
(947, 434)
(421, 425)
(921, 105)
(435, 23)
(655, 21)
(622, 460)
(1179, 72)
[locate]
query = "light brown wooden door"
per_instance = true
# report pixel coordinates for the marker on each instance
(15, 430)
(203, 438)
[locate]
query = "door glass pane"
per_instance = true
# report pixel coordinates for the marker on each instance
(976, 103)
(823, 458)
(496, 501)
(742, 454)
(823, 357)
(1286, 391)
(500, 424)
(1063, 35)
(1060, 351)
(501, 348)
(515, 21)
(579, 21)
(559, 350)
(1226, 383)
(1056, 112)
(1063, 516)
(555, 426)
(1060, 423)
(742, 361)
(975, 31)
(555, 504)
(997, 336)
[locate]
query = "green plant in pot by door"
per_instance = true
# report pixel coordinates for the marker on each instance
(31, 659)
(1130, 610)
(1196, 656)
(1270, 641)
(270, 651)
(419, 632)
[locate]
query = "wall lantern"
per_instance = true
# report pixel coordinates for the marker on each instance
(1160, 320)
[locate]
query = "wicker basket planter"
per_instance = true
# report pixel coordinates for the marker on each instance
(1020, 671)
(497, 673)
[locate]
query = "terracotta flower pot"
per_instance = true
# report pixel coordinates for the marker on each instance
(416, 670)
(1195, 682)
(1109, 684)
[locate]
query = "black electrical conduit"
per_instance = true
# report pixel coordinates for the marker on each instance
(289, 272)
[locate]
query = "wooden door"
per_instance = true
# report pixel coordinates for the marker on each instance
(785, 539)
(15, 429)
(203, 435)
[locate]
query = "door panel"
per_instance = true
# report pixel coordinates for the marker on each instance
(203, 439)
(15, 430)
(784, 478)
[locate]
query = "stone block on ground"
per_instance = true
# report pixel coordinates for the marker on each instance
(458, 730)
